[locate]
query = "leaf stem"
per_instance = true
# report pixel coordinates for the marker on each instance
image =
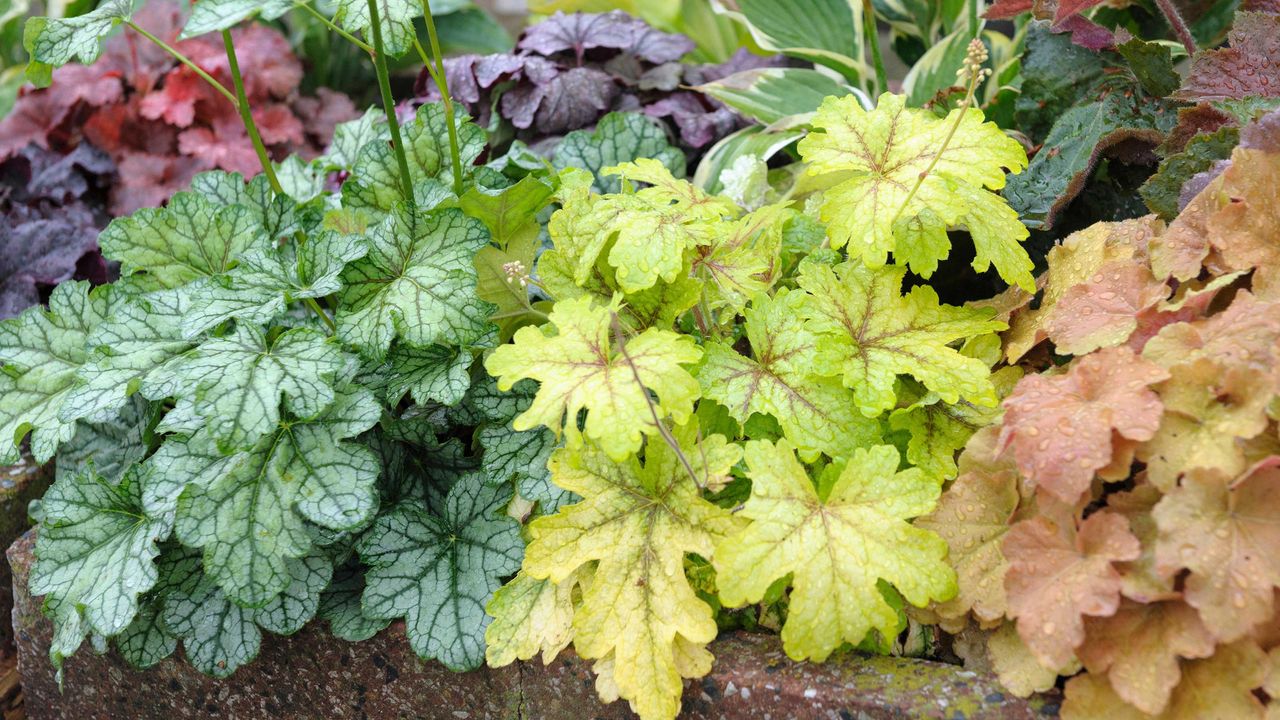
(246, 114)
(873, 41)
(388, 102)
(315, 307)
(1179, 25)
(330, 24)
(222, 89)
(442, 83)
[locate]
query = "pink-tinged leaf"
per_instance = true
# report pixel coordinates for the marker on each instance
(1225, 531)
(1247, 68)
(1067, 8)
(1059, 427)
(1244, 335)
(1058, 575)
(149, 180)
(1003, 9)
(1104, 312)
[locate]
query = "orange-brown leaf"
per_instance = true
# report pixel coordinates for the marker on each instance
(1138, 649)
(1226, 532)
(1245, 335)
(1104, 311)
(1058, 575)
(1059, 427)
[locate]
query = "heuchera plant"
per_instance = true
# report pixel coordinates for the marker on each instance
(1120, 521)
(281, 411)
(158, 119)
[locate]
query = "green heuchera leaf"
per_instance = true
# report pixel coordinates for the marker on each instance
(249, 512)
(215, 15)
(618, 138)
(268, 279)
(438, 572)
(576, 360)
(522, 456)
(1056, 74)
(374, 184)
(1162, 191)
(41, 351)
(650, 228)
(190, 238)
(237, 381)
(141, 334)
(818, 414)
(110, 445)
(350, 137)
(875, 158)
(837, 543)
(432, 374)
(868, 334)
(396, 21)
(218, 636)
(340, 606)
(56, 41)
(94, 556)
(146, 641)
(417, 283)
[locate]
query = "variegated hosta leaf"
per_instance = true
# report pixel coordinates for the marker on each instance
(94, 556)
(876, 158)
(40, 354)
(237, 381)
(869, 334)
(215, 15)
(191, 237)
(374, 184)
(340, 605)
(140, 335)
(249, 512)
(439, 571)
(267, 279)
(219, 636)
(416, 283)
(816, 413)
(56, 41)
(580, 367)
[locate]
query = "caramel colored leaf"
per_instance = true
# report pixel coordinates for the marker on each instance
(1104, 311)
(1013, 662)
(1059, 426)
(1057, 576)
(1244, 335)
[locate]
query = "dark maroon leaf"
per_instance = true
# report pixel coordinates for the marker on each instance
(1249, 67)
(565, 101)
(700, 123)
(580, 32)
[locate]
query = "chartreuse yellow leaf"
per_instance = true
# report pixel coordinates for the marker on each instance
(837, 546)
(817, 414)
(532, 616)
(636, 522)
(893, 192)
(578, 362)
(869, 334)
(647, 231)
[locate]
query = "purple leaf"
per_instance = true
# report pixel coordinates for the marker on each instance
(566, 101)
(615, 30)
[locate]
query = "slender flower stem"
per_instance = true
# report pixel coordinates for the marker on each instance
(1179, 25)
(330, 24)
(388, 102)
(873, 41)
(443, 84)
(246, 114)
(185, 61)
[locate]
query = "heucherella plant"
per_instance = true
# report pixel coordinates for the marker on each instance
(395, 400)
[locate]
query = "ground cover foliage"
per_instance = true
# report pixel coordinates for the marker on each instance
(566, 351)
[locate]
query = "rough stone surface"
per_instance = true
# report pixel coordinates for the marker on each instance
(19, 485)
(313, 675)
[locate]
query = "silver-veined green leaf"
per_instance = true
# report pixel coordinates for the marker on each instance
(619, 137)
(215, 15)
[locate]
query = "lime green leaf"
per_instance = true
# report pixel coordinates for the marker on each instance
(876, 158)
(375, 179)
(416, 283)
(249, 513)
(94, 556)
(439, 572)
(41, 352)
(219, 636)
(617, 138)
(56, 41)
(742, 259)
(658, 306)
(140, 335)
(511, 214)
(395, 16)
(638, 522)
(189, 238)
(268, 279)
(818, 414)
(837, 548)
(869, 334)
(530, 617)
(579, 368)
(938, 429)
(215, 15)
(237, 381)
